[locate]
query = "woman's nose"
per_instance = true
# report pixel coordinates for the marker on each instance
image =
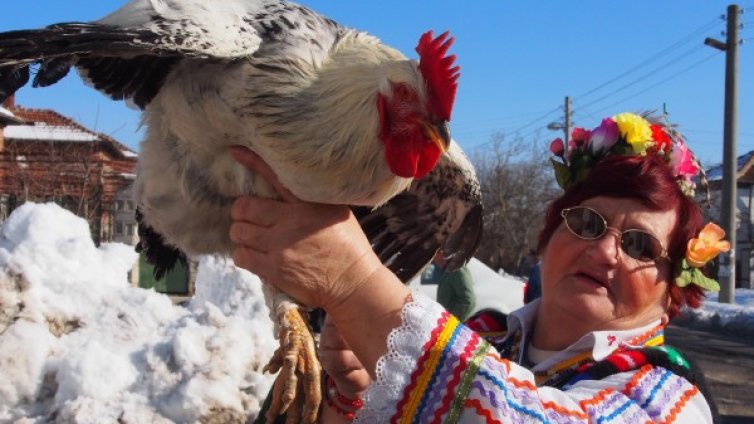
(607, 247)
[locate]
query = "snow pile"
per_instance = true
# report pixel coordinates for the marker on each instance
(736, 319)
(79, 344)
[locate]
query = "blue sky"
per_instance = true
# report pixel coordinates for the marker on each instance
(518, 61)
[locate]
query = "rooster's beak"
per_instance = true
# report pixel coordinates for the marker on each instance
(439, 133)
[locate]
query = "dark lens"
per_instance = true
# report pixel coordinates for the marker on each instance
(640, 245)
(585, 222)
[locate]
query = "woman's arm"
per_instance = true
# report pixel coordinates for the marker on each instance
(319, 255)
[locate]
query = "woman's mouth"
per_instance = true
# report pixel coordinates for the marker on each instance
(593, 279)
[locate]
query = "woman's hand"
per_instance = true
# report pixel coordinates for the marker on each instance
(315, 253)
(345, 371)
(319, 255)
(341, 364)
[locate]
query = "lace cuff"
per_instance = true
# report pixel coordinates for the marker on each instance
(405, 345)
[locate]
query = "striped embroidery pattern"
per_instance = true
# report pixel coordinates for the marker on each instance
(443, 373)
(425, 368)
(660, 392)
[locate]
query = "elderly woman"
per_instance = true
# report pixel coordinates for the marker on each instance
(621, 253)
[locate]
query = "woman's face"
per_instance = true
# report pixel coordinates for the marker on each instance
(596, 284)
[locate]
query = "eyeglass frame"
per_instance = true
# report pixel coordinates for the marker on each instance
(663, 252)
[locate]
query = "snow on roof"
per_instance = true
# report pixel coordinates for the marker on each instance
(48, 132)
(716, 172)
(59, 128)
(6, 112)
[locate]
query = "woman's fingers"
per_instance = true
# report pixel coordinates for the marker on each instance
(248, 258)
(255, 210)
(341, 363)
(255, 163)
(251, 236)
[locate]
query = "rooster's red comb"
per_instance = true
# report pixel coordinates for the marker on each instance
(439, 73)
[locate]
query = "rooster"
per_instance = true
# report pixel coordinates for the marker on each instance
(340, 117)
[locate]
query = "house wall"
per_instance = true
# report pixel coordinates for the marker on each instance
(78, 176)
(744, 235)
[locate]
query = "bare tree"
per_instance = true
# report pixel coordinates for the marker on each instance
(517, 184)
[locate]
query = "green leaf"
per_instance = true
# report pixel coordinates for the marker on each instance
(695, 276)
(562, 173)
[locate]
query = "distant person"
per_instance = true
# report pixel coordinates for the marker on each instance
(455, 290)
(533, 284)
(526, 263)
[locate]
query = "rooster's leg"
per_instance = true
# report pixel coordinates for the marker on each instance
(297, 390)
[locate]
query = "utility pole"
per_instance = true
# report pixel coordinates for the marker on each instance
(567, 120)
(566, 124)
(727, 272)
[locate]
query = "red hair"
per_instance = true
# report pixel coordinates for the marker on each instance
(648, 180)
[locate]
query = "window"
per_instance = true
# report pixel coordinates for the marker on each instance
(129, 205)
(129, 229)
(119, 228)
(118, 205)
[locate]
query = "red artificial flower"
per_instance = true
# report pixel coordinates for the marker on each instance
(557, 147)
(661, 138)
(580, 136)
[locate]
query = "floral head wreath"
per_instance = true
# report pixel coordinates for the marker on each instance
(629, 134)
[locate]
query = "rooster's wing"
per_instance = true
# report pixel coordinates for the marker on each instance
(443, 210)
(129, 54)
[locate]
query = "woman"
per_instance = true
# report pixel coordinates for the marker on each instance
(621, 254)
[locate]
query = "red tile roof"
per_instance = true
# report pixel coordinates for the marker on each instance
(52, 118)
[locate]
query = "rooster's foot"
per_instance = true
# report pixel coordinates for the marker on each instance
(297, 391)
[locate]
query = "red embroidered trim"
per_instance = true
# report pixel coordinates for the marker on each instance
(460, 367)
(421, 364)
(480, 410)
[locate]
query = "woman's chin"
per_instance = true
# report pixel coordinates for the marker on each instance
(592, 304)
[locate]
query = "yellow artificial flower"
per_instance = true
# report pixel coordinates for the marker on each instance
(635, 130)
(710, 243)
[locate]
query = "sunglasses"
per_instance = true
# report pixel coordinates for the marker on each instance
(588, 224)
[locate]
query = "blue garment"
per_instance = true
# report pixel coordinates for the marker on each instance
(534, 285)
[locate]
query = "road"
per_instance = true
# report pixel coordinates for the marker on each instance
(728, 365)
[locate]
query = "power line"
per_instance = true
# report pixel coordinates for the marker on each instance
(538, 128)
(643, 77)
(515, 119)
(692, 66)
(557, 109)
(691, 36)
(706, 27)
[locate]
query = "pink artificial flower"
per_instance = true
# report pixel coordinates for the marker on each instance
(605, 136)
(557, 147)
(682, 161)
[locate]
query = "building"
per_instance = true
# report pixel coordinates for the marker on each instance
(48, 157)
(744, 214)
(45, 156)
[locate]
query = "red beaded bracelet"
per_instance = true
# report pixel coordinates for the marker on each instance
(332, 390)
(331, 404)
